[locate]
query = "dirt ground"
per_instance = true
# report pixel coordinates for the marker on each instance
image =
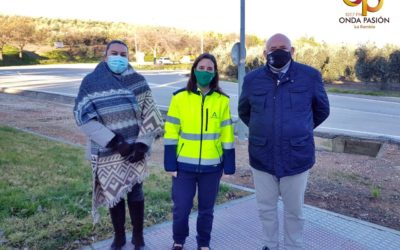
(358, 186)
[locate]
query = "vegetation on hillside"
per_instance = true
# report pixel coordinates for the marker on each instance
(84, 41)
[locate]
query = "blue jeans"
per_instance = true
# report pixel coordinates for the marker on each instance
(183, 191)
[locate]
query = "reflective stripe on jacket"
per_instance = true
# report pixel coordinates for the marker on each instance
(199, 133)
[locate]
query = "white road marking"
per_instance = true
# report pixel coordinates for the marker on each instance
(166, 84)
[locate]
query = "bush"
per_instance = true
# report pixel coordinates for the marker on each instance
(378, 65)
(148, 58)
(57, 55)
(393, 67)
(340, 65)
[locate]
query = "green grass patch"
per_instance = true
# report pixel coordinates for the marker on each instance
(11, 57)
(375, 192)
(45, 195)
(361, 92)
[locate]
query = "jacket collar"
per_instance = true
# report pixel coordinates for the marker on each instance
(197, 91)
(289, 75)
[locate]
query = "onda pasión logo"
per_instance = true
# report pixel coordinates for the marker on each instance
(364, 5)
(361, 20)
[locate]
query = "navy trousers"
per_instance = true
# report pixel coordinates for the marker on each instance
(183, 191)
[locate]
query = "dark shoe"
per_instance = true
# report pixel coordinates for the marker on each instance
(138, 242)
(140, 248)
(136, 212)
(265, 248)
(117, 214)
(199, 248)
(175, 247)
(117, 244)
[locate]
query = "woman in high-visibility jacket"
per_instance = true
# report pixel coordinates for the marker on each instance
(199, 148)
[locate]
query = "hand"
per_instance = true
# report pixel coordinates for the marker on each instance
(119, 144)
(173, 174)
(139, 151)
(125, 149)
(137, 156)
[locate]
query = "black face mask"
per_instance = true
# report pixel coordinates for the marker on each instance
(278, 58)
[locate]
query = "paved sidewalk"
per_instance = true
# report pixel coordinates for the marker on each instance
(236, 227)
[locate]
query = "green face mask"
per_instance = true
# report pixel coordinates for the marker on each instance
(204, 77)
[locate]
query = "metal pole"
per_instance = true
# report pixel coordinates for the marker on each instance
(241, 67)
(202, 43)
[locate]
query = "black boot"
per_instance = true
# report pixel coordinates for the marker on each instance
(136, 212)
(118, 220)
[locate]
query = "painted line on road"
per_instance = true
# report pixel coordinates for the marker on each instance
(163, 107)
(367, 99)
(167, 84)
(154, 85)
(37, 83)
(147, 73)
(367, 112)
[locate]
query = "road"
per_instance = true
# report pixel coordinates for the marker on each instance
(350, 114)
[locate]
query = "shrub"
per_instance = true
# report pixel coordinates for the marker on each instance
(57, 55)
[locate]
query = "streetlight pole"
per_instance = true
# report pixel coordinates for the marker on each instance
(202, 43)
(241, 66)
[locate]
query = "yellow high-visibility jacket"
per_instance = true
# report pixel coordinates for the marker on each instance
(199, 133)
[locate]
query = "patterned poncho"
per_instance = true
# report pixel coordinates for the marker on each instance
(122, 104)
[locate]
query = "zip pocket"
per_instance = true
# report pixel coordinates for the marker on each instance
(179, 152)
(219, 153)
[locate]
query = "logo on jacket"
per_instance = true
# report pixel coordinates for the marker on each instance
(214, 115)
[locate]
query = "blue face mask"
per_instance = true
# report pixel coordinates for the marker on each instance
(117, 64)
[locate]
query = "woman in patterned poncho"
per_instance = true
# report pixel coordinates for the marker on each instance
(116, 110)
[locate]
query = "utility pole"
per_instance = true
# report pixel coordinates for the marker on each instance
(136, 43)
(201, 43)
(241, 66)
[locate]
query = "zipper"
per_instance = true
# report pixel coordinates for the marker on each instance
(206, 119)
(273, 115)
(201, 129)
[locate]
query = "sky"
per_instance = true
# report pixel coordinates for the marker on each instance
(295, 18)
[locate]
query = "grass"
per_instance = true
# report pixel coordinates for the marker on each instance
(11, 57)
(45, 195)
(375, 192)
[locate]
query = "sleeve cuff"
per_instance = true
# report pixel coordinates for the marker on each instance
(97, 132)
(229, 161)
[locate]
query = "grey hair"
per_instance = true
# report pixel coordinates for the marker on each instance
(114, 42)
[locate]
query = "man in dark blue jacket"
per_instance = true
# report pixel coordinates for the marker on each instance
(282, 103)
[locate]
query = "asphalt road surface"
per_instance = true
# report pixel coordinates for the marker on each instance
(350, 114)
